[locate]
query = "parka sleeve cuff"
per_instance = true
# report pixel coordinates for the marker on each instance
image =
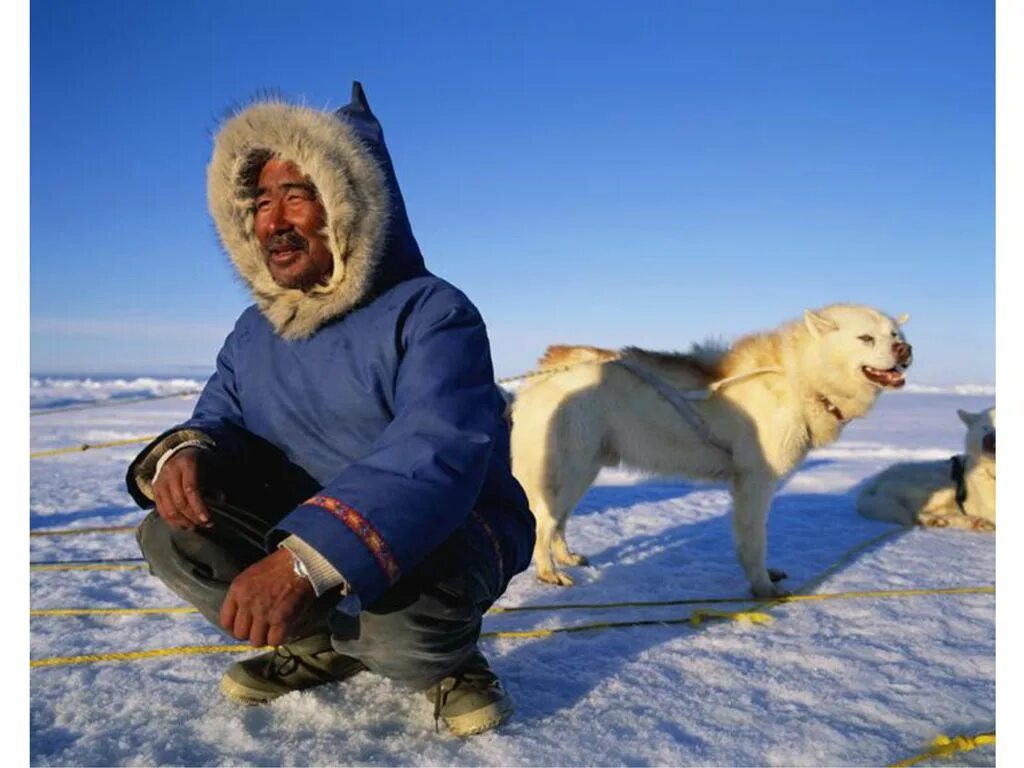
(144, 469)
(347, 540)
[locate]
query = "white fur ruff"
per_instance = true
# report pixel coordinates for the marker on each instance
(351, 188)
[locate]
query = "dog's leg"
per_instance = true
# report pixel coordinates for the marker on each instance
(563, 555)
(752, 496)
(547, 528)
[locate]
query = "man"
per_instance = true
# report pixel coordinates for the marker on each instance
(343, 489)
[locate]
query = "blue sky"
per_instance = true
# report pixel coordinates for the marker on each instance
(606, 173)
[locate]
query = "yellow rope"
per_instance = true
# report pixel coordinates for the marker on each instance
(91, 446)
(87, 566)
(107, 611)
(878, 593)
(80, 531)
(749, 617)
(889, 593)
(944, 746)
(694, 620)
(537, 372)
(133, 655)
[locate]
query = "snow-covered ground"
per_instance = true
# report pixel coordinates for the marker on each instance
(864, 681)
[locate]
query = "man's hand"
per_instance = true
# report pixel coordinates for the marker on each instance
(177, 488)
(266, 601)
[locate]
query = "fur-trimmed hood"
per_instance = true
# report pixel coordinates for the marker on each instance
(367, 229)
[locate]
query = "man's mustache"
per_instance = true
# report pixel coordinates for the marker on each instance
(287, 241)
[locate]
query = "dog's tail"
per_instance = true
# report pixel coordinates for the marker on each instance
(562, 355)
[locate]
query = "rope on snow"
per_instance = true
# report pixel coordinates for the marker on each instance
(82, 531)
(884, 594)
(945, 746)
(90, 446)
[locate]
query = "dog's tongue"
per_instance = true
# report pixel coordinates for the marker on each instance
(890, 378)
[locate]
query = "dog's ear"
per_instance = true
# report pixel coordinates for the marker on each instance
(967, 418)
(903, 319)
(817, 324)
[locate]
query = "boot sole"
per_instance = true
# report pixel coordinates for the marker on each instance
(242, 694)
(473, 723)
(235, 685)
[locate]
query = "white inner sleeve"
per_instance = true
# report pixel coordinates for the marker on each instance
(322, 575)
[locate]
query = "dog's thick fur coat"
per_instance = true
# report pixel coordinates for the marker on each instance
(924, 493)
(824, 370)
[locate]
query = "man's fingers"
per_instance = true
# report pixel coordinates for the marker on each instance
(277, 634)
(282, 622)
(178, 500)
(258, 632)
(166, 509)
(243, 621)
(196, 504)
(227, 612)
(178, 484)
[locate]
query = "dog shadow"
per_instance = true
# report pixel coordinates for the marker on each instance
(687, 561)
(601, 498)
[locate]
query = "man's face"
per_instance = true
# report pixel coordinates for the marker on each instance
(289, 224)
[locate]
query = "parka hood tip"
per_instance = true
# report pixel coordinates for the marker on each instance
(353, 189)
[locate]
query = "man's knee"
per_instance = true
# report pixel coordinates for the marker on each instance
(188, 563)
(153, 536)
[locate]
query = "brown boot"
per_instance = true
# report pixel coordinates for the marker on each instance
(472, 700)
(299, 665)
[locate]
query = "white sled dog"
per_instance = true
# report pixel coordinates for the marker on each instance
(766, 401)
(958, 493)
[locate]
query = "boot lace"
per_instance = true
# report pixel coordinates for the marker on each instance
(444, 688)
(281, 664)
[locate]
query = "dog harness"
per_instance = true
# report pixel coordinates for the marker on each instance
(680, 401)
(957, 466)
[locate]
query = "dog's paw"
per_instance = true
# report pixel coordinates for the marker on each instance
(572, 558)
(934, 521)
(558, 578)
(769, 590)
(776, 575)
(981, 524)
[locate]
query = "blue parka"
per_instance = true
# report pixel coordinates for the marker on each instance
(378, 385)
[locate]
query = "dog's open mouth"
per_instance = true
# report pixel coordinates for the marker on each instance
(891, 378)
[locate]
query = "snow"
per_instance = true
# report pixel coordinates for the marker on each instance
(57, 392)
(835, 682)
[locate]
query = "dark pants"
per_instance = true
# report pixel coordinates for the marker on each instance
(420, 631)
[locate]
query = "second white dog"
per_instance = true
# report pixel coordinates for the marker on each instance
(791, 390)
(960, 493)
